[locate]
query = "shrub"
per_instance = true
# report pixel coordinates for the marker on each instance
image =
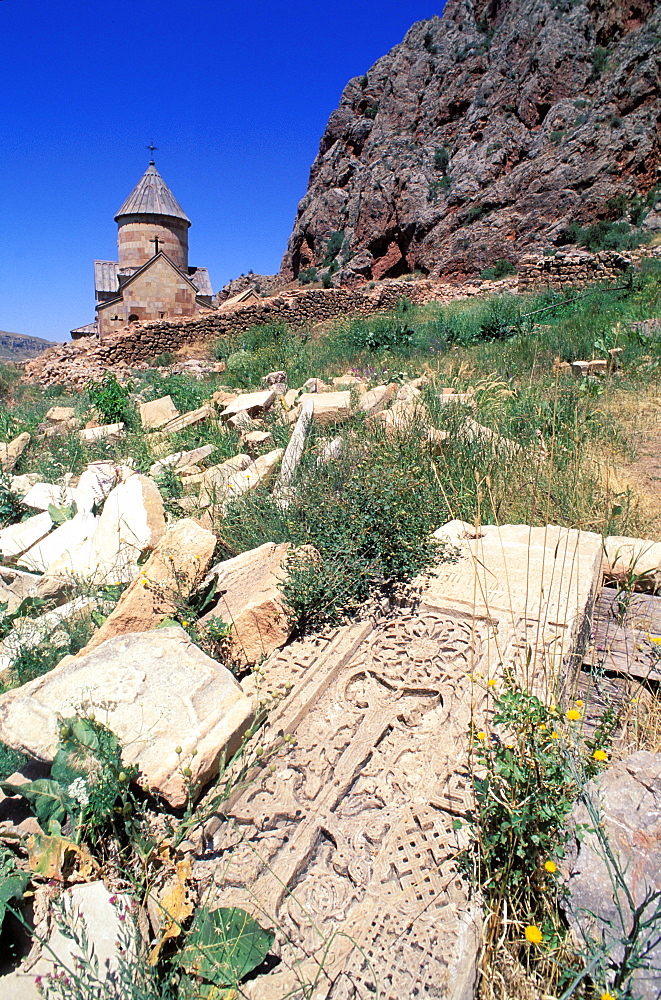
(111, 400)
(164, 360)
(500, 269)
(557, 135)
(441, 159)
(333, 247)
(599, 60)
(308, 276)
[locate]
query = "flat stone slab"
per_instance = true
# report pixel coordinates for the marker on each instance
(251, 403)
(17, 538)
(157, 412)
(348, 845)
(537, 585)
(626, 801)
(90, 434)
(328, 407)
(155, 690)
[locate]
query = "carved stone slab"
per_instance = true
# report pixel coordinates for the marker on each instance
(348, 847)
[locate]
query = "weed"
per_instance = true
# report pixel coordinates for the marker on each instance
(111, 400)
(500, 269)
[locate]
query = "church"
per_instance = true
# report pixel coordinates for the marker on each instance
(151, 280)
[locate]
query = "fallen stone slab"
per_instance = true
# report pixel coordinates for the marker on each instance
(628, 560)
(216, 477)
(583, 368)
(132, 522)
(253, 404)
(256, 440)
(17, 538)
(97, 481)
(157, 412)
(258, 473)
(449, 395)
(402, 418)
(189, 419)
(57, 414)
(537, 584)
(328, 407)
(293, 453)
(620, 844)
(329, 450)
(10, 453)
(314, 385)
(88, 912)
(349, 845)
(181, 459)
(156, 690)
(473, 433)
(175, 567)
(60, 429)
(249, 600)
(106, 432)
(23, 484)
(41, 496)
(63, 542)
(375, 400)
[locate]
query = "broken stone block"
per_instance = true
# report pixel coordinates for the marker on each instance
(407, 392)
(181, 459)
(274, 379)
(536, 584)
(217, 476)
(243, 423)
(43, 495)
(174, 568)
(59, 544)
(61, 429)
(583, 368)
(156, 690)
(84, 911)
(249, 601)
(258, 473)
(328, 407)
(96, 482)
(10, 453)
(253, 404)
(315, 385)
(403, 418)
(348, 845)
(377, 399)
(349, 380)
(624, 803)
(57, 414)
(329, 450)
(23, 484)
(223, 397)
(157, 412)
(107, 432)
(632, 559)
(449, 395)
(255, 440)
(189, 419)
(132, 521)
(17, 538)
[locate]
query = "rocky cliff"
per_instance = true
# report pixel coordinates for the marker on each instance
(485, 134)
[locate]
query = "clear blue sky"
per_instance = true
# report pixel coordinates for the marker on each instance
(236, 97)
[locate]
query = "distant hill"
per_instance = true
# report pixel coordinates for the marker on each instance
(19, 347)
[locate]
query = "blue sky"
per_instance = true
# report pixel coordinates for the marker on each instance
(236, 97)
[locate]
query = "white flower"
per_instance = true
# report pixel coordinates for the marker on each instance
(78, 791)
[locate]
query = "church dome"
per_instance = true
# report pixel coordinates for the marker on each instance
(152, 196)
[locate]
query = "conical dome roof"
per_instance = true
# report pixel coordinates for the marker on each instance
(152, 196)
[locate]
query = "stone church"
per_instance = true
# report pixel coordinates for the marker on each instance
(152, 279)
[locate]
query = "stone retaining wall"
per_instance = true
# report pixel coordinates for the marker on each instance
(576, 267)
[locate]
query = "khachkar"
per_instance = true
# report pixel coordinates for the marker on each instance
(349, 848)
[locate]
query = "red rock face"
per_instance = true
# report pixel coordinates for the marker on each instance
(483, 135)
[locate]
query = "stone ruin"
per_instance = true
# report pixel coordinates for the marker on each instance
(349, 846)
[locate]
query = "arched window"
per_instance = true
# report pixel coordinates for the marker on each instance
(133, 318)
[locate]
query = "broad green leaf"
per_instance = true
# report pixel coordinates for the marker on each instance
(59, 515)
(11, 887)
(224, 945)
(49, 800)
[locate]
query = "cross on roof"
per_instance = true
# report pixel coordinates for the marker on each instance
(152, 149)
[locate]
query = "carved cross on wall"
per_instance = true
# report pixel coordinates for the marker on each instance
(155, 241)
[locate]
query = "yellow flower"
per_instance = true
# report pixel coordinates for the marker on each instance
(606, 996)
(185, 624)
(579, 703)
(481, 736)
(573, 715)
(555, 736)
(550, 866)
(656, 639)
(600, 755)
(491, 683)
(533, 934)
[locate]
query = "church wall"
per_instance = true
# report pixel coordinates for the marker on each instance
(136, 231)
(158, 293)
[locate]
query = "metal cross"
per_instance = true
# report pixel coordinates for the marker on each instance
(152, 149)
(155, 241)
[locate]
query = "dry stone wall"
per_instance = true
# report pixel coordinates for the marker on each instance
(575, 267)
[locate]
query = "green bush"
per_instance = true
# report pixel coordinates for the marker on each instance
(500, 269)
(604, 235)
(441, 159)
(599, 60)
(111, 400)
(333, 247)
(308, 276)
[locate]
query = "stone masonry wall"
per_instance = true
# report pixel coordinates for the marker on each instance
(575, 267)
